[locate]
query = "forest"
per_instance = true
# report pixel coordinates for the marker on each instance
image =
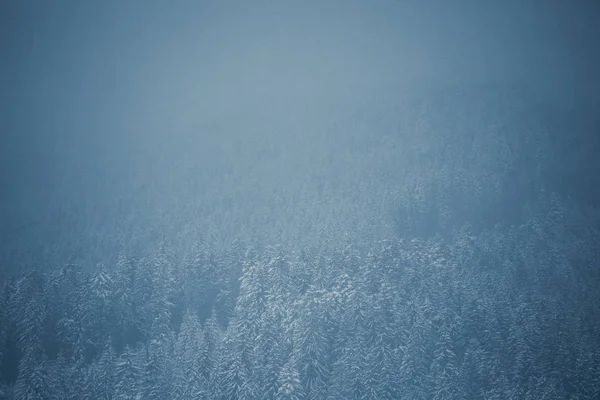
(509, 313)
(316, 200)
(488, 290)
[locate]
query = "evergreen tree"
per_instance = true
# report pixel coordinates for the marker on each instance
(28, 309)
(33, 381)
(96, 317)
(102, 379)
(59, 384)
(214, 333)
(192, 362)
(127, 326)
(289, 386)
(128, 375)
(236, 373)
(312, 348)
(156, 381)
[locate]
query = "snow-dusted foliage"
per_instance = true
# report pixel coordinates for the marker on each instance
(479, 317)
(299, 200)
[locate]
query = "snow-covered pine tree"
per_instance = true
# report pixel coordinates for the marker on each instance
(191, 362)
(101, 378)
(128, 374)
(33, 382)
(289, 386)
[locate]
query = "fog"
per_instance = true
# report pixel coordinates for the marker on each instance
(311, 200)
(272, 121)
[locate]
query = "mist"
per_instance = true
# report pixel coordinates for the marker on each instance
(273, 120)
(299, 200)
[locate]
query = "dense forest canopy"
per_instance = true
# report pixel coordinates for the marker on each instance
(299, 200)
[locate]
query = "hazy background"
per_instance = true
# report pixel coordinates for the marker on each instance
(277, 121)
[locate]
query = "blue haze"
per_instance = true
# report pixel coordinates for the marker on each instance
(299, 200)
(142, 114)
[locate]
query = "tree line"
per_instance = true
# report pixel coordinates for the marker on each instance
(510, 312)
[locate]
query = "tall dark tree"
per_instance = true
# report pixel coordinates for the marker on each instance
(289, 386)
(192, 363)
(236, 369)
(312, 347)
(102, 378)
(128, 372)
(33, 382)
